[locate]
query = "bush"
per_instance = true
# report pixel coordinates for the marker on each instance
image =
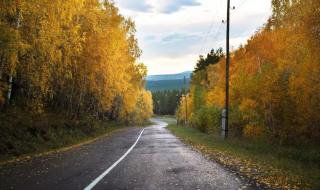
(23, 132)
(253, 131)
(236, 122)
(207, 119)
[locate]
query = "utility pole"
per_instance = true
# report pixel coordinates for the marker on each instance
(226, 123)
(186, 109)
(186, 99)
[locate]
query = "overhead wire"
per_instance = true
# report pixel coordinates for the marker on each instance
(204, 40)
(208, 38)
(240, 4)
(214, 37)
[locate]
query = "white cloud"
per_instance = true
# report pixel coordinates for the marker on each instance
(136, 5)
(169, 65)
(169, 6)
(172, 33)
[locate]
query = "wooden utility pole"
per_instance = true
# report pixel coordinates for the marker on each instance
(186, 99)
(186, 109)
(226, 127)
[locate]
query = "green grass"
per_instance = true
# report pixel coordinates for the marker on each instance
(272, 165)
(24, 134)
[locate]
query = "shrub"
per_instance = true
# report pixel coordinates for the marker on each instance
(253, 131)
(207, 119)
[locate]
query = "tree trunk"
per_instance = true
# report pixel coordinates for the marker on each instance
(10, 89)
(11, 74)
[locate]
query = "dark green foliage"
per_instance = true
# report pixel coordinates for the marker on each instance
(26, 133)
(166, 102)
(212, 58)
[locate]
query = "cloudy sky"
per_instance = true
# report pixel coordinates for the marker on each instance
(173, 33)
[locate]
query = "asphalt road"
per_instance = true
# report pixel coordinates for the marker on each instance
(157, 161)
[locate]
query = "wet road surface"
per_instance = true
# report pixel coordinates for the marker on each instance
(157, 161)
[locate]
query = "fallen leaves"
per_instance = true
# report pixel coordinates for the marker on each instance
(264, 176)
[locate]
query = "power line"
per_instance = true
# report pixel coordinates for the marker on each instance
(216, 35)
(205, 37)
(205, 41)
(240, 4)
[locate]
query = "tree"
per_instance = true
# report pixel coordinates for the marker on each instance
(274, 79)
(78, 56)
(212, 58)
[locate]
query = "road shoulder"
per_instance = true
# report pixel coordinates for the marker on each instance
(263, 175)
(88, 140)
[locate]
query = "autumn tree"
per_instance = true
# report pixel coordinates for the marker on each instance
(73, 55)
(274, 79)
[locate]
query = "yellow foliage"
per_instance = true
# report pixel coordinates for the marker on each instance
(252, 131)
(184, 112)
(247, 107)
(274, 78)
(76, 55)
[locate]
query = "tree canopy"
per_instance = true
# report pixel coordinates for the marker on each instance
(73, 55)
(274, 80)
(212, 58)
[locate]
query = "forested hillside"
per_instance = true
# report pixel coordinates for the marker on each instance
(72, 56)
(164, 82)
(167, 89)
(177, 76)
(274, 81)
(163, 85)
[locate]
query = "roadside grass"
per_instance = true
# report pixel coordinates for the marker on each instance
(24, 135)
(274, 166)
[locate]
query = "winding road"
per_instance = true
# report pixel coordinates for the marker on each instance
(149, 158)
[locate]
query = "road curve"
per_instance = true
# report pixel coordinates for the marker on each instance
(157, 161)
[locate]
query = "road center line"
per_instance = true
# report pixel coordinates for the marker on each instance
(94, 182)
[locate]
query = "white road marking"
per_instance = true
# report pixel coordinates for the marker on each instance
(94, 182)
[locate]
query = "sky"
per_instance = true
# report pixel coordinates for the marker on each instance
(173, 33)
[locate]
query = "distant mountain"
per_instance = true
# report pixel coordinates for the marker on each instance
(177, 76)
(168, 81)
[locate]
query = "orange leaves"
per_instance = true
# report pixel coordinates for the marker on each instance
(215, 97)
(247, 107)
(253, 131)
(274, 78)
